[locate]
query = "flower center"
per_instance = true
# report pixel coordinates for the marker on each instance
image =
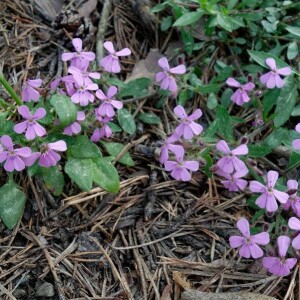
(44, 148)
(12, 153)
(269, 191)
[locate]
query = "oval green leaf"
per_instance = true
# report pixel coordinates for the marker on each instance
(126, 121)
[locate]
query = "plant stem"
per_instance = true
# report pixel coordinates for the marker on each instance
(10, 90)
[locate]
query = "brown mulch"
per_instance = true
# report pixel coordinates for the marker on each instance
(156, 237)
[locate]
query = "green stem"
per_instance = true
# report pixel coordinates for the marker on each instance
(10, 90)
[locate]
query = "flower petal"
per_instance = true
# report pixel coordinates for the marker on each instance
(270, 62)
(243, 226)
(180, 112)
(222, 146)
(283, 243)
(262, 238)
(123, 52)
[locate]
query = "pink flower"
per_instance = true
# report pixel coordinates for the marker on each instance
(293, 201)
(79, 57)
(14, 158)
(103, 130)
(187, 127)
(31, 126)
(248, 243)
(296, 142)
(230, 161)
(108, 104)
(111, 62)
(272, 78)
(28, 90)
(85, 74)
(168, 146)
(294, 224)
(180, 168)
(281, 265)
(269, 195)
(48, 156)
(233, 182)
(166, 79)
(83, 95)
(240, 96)
(75, 127)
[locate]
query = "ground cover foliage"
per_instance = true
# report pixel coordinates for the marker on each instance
(195, 110)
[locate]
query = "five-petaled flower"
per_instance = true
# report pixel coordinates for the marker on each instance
(180, 168)
(280, 265)
(111, 63)
(14, 158)
(247, 242)
(48, 155)
(234, 182)
(272, 78)
(79, 57)
(29, 92)
(108, 104)
(31, 126)
(230, 161)
(103, 129)
(269, 195)
(187, 127)
(166, 78)
(83, 95)
(240, 96)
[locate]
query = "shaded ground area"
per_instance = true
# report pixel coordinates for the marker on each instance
(153, 239)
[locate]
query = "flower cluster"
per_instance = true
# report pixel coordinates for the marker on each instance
(186, 129)
(231, 167)
(271, 79)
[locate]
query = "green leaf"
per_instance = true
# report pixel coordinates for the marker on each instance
(269, 100)
(106, 175)
(225, 22)
(189, 18)
(81, 147)
(209, 88)
(159, 7)
(54, 180)
(285, 102)
(114, 149)
(12, 202)
(65, 109)
(296, 111)
(260, 58)
(224, 125)
(135, 88)
(294, 30)
(276, 138)
(126, 121)
(212, 101)
(294, 161)
(149, 118)
(81, 172)
(258, 150)
(117, 82)
(166, 23)
(292, 50)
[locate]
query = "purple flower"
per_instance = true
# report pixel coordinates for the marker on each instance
(233, 182)
(85, 74)
(111, 63)
(31, 126)
(240, 96)
(230, 161)
(103, 129)
(14, 158)
(28, 90)
(166, 79)
(272, 78)
(281, 265)
(296, 142)
(180, 168)
(79, 57)
(294, 224)
(82, 95)
(48, 156)
(248, 243)
(269, 195)
(293, 201)
(187, 127)
(75, 127)
(108, 104)
(168, 146)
